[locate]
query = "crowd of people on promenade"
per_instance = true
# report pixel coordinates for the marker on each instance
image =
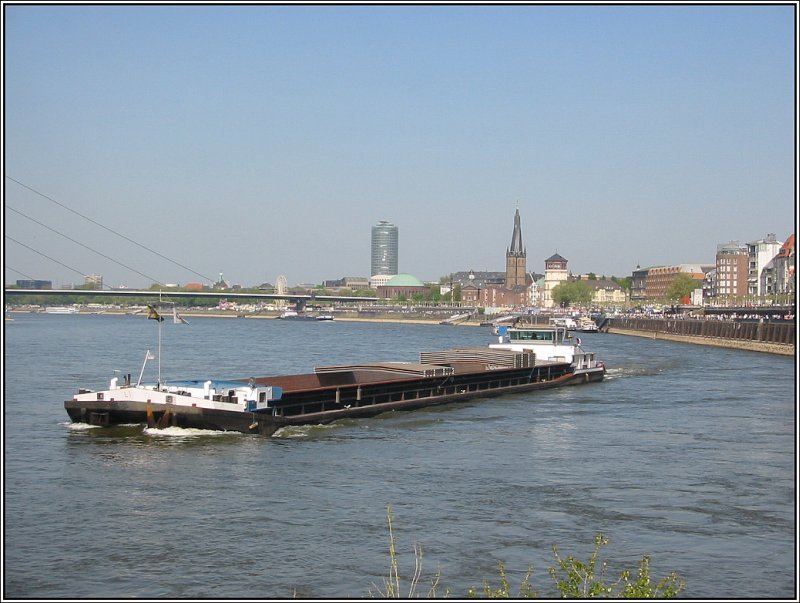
(727, 316)
(751, 317)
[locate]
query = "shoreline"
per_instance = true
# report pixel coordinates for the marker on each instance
(738, 344)
(264, 316)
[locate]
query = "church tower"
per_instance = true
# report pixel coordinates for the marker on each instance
(515, 258)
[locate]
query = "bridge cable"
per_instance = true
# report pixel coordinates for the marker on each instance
(33, 190)
(7, 267)
(51, 259)
(85, 246)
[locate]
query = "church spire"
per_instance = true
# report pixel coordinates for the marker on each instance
(516, 274)
(516, 238)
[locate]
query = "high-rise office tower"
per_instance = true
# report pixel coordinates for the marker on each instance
(384, 249)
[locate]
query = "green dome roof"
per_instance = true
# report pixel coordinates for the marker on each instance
(404, 280)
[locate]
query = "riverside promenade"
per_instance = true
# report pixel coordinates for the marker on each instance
(757, 336)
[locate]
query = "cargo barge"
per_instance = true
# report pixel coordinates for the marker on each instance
(523, 359)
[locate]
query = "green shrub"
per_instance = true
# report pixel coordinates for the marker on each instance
(573, 578)
(576, 579)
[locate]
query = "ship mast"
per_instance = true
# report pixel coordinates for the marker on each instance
(159, 321)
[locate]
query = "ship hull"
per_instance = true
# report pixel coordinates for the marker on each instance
(319, 405)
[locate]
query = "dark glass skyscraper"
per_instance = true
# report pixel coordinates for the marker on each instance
(384, 249)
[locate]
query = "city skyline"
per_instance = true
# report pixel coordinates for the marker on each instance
(99, 279)
(264, 140)
(384, 252)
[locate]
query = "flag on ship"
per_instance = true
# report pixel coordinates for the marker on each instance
(177, 318)
(154, 314)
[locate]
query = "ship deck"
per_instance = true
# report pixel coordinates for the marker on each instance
(352, 386)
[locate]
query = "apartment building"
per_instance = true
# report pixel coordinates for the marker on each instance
(760, 253)
(731, 270)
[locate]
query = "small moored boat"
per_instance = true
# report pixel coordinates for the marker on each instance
(61, 310)
(587, 325)
(295, 315)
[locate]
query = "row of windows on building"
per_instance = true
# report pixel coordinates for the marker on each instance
(759, 268)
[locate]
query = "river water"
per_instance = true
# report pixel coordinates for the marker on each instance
(685, 453)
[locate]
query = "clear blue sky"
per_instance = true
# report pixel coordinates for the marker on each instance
(261, 140)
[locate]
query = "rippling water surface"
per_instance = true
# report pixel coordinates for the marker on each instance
(686, 453)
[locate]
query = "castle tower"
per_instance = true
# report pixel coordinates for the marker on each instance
(515, 258)
(555, 273)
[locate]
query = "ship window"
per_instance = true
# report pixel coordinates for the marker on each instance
(262, 397)
(532, 336)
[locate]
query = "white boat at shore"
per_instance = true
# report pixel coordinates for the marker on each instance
(587, 325)
(583, 324)
(61, 310)
(566, 322)
(294, 315)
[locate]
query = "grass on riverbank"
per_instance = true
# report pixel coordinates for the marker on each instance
(572, 578)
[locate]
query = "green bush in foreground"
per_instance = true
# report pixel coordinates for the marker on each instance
(573, 578)
(576, 579)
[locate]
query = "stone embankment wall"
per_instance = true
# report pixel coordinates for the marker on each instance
(771, 337)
